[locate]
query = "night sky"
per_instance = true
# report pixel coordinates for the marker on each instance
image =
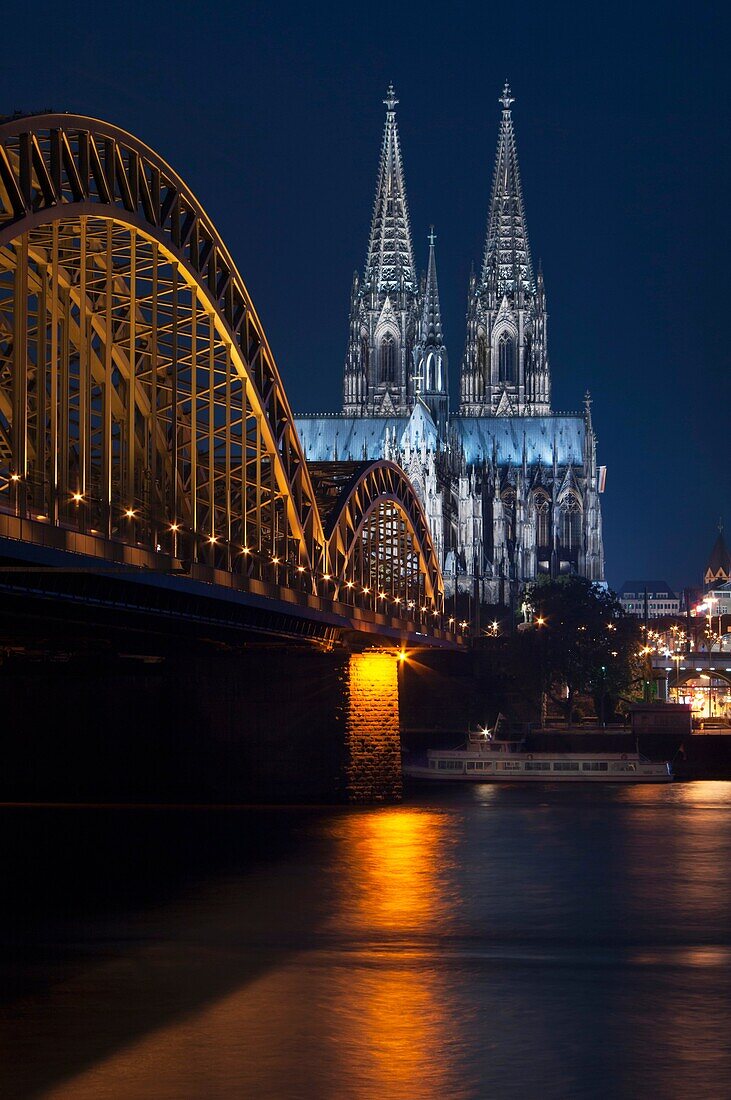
(272, 113)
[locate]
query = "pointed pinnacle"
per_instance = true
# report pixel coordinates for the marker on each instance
(506, 99)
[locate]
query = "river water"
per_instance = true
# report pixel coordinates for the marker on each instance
(478, 942)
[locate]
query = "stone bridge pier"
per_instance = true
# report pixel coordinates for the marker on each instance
(261, 724)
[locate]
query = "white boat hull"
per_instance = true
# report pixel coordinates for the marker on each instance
(413, 771)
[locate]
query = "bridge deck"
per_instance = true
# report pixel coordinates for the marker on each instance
(53, 563)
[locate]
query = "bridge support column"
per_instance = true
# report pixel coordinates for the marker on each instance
(372, 734)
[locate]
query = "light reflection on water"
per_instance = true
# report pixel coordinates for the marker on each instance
(553, 942)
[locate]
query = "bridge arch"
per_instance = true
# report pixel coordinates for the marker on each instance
(377, 534)
(139, 398)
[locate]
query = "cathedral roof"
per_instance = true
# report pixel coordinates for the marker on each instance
(480, 436)
(342, 438)
(390, 262)
(507, 261)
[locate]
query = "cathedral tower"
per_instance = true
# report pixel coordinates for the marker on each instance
(385, 305)
(430, 354)
(505, 369)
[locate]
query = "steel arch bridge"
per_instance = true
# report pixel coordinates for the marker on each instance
(142, 415)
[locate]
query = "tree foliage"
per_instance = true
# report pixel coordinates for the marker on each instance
(586, 643)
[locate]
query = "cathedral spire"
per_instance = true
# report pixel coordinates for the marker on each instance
(430, 354)
(507, 261)
(431, 323)
(390, 263)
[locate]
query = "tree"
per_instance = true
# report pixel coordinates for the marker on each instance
(586, 642)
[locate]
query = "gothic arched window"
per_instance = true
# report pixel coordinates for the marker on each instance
(506, 358)
(388, 358)
(428, 369)
(543, 520)
(571, 524)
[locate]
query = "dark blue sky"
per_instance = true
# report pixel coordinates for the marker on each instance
(272, 113)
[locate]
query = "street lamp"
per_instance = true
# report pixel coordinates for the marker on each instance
(677, 657)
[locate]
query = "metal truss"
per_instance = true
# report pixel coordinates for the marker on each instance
(139, 399)
(378, 535)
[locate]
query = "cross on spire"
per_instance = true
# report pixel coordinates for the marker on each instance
(432, 236)
(390, 100)
(506, 99)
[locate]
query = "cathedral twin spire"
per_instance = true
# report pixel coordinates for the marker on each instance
(396, 352)
(387, 369)
(507, 262)
(505, 367)
(390, 263)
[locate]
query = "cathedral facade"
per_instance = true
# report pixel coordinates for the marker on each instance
(510, 488)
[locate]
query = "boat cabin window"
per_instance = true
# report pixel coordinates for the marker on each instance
(565, 766)
(511, 766)
(537, 766)
(594, 766)
(450, 765)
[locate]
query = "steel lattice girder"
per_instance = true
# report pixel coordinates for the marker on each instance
(64, 168)
(372, 487)
(114, 288)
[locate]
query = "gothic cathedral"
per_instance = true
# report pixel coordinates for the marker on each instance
(510, 488)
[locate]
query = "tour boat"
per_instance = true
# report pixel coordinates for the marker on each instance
(486, 758)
